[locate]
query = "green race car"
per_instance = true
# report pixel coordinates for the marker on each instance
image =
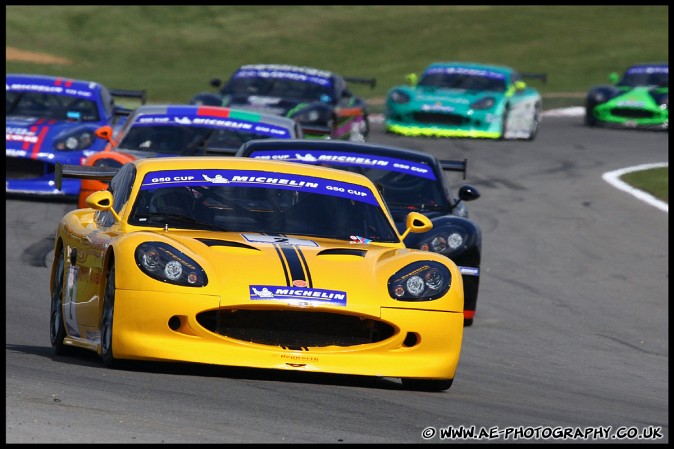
(461, 99)
(640, 99)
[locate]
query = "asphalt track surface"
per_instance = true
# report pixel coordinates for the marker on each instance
(570, 336)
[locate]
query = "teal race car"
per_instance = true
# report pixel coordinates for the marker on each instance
(638, 99)
(462, 99)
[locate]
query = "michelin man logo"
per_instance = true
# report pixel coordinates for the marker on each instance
(218, 179)
(183, 121)
(264, 293)
(307, 158)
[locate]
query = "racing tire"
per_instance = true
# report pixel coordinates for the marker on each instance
(426, 384)
(589, 119)
(504, 124)
(535, 122)
(363, 132)
(57, 330)
(107, 320)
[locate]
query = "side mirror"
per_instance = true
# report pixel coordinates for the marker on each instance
(102, 201)
(520, 85)
(416, 222)
(216, 82)
(614, 77)
(105, 133)
(468, 193)
(412, 79)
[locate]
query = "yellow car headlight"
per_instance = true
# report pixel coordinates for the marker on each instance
(420, 281)
(165, 263)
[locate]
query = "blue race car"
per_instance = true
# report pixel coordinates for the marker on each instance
(52, 119)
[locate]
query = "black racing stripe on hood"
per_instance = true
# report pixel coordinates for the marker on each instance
(295, 263)
(306, 266)
(283, 264)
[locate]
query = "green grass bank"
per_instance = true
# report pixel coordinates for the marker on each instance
(173, 51)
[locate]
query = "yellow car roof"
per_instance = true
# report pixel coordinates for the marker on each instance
(243, 163)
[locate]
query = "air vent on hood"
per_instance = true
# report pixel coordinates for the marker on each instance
(213, 242)
(343, 252)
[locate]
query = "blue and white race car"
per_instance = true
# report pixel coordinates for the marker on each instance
(52, 119)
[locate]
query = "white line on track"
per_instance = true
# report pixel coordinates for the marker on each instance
(612, 177)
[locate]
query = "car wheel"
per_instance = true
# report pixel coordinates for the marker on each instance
(504, 124)
(427, 384)
(589, 118)
(360, 133)
(536, 120)
(57, 330)
(332, 126)
(107, 319)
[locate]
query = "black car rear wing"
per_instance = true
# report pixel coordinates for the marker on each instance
(221, 151)
(82, 172)
(140, 95)
(371, 81)
(461, 166)
(541, 76)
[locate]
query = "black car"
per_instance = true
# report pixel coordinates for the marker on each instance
(410, 180)
(319, 100)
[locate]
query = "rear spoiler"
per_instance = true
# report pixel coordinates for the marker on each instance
(541, 76)
(461, 166)
(371, 81)
(82, 172)
(221, 151)
(140, 95)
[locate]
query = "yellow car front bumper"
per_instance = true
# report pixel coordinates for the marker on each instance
(164, 327)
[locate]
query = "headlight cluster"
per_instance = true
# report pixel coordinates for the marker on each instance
(598, 97)
(420, 281)
(399, 97)
(445, 241)
(80, 140)
(165, 263)
(311, 115)
(484, 103)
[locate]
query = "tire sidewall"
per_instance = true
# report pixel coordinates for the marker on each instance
(107, 319)
(57, 330)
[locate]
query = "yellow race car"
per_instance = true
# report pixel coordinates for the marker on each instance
(252, 263)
